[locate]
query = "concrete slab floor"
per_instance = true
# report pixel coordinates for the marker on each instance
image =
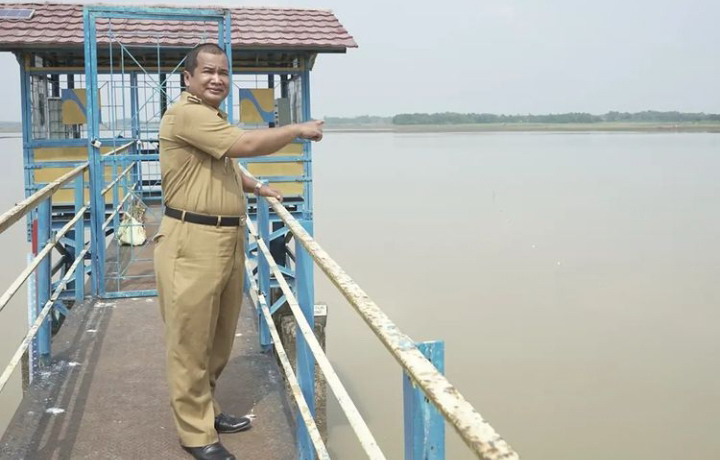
(105, 394)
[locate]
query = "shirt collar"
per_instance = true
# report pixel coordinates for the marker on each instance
(186, 97)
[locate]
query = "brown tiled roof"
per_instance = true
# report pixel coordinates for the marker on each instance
(61, 25)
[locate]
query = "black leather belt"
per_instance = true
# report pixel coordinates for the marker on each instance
(220, 221)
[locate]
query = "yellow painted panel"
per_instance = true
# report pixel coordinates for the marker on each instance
(68, 196)
(47, 175)
(65, 153)
(288, 189)
(276, 169)
(255, 101)
(74, 102)
(292, 149)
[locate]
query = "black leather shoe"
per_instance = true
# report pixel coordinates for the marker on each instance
(228, 424)
(208, 452)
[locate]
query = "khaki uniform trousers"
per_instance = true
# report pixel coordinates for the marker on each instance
(199, 272)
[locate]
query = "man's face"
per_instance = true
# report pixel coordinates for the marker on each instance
(211, 80)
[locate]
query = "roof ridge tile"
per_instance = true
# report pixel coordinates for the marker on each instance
(61, 24)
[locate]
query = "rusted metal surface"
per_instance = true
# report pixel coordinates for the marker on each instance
(47, 249)
(117, 150)
(259, 301)
(477, 433)
(21, 209)
(367, 441)
(39, 320)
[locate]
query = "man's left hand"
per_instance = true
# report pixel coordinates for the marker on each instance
(267, 191)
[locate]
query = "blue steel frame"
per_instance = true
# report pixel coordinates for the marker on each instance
(44, 286)
(40, 286)
(305, 292)
(424, 425)
(303, 277)
(305, 362)
(90, 16)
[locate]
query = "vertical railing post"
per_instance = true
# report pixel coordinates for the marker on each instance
(263, 227)
(115, 197)
(43, 282)
(424, 426)
(305, 363)
(134, 106)
(31, 310)
(307, 146)
(225, 39)
(97, 200)
(79, 239)
(135, 122)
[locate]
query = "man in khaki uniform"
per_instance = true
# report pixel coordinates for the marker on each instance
(199, 252)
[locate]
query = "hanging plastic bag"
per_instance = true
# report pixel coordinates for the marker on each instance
(131, 231)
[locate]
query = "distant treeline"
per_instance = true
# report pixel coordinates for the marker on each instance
(359, 120)
(488, 118)
(582, 118)
(10, 126)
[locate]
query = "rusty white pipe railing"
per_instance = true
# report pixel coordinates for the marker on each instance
(115, 151)
(39, 320)
(477, 433)
(14, 215)
(21, 209)
(367, 441)
(47, 249)
(260, 302)
(116, 211)
(117, 179)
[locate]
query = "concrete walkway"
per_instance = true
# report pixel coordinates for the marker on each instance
(105, 395)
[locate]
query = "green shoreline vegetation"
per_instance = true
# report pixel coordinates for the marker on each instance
(645, 121)
(10, 127)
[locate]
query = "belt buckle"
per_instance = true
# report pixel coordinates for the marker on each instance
(218, 221)
(182, 217)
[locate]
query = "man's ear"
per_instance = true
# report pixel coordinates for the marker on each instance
(186, 77)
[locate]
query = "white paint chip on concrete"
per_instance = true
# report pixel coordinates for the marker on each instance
(73, 364)
(54, 411)
(91, 330)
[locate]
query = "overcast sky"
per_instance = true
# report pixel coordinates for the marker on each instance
(502, 56)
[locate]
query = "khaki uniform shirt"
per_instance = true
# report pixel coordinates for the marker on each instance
(196, 176)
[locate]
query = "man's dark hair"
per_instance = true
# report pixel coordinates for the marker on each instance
(191, 58)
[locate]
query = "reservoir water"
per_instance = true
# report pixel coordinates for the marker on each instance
(572, 276)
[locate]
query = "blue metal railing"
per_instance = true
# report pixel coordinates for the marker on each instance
(41, 264)
(49, 293)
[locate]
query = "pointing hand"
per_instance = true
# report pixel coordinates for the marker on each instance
(312, 130)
